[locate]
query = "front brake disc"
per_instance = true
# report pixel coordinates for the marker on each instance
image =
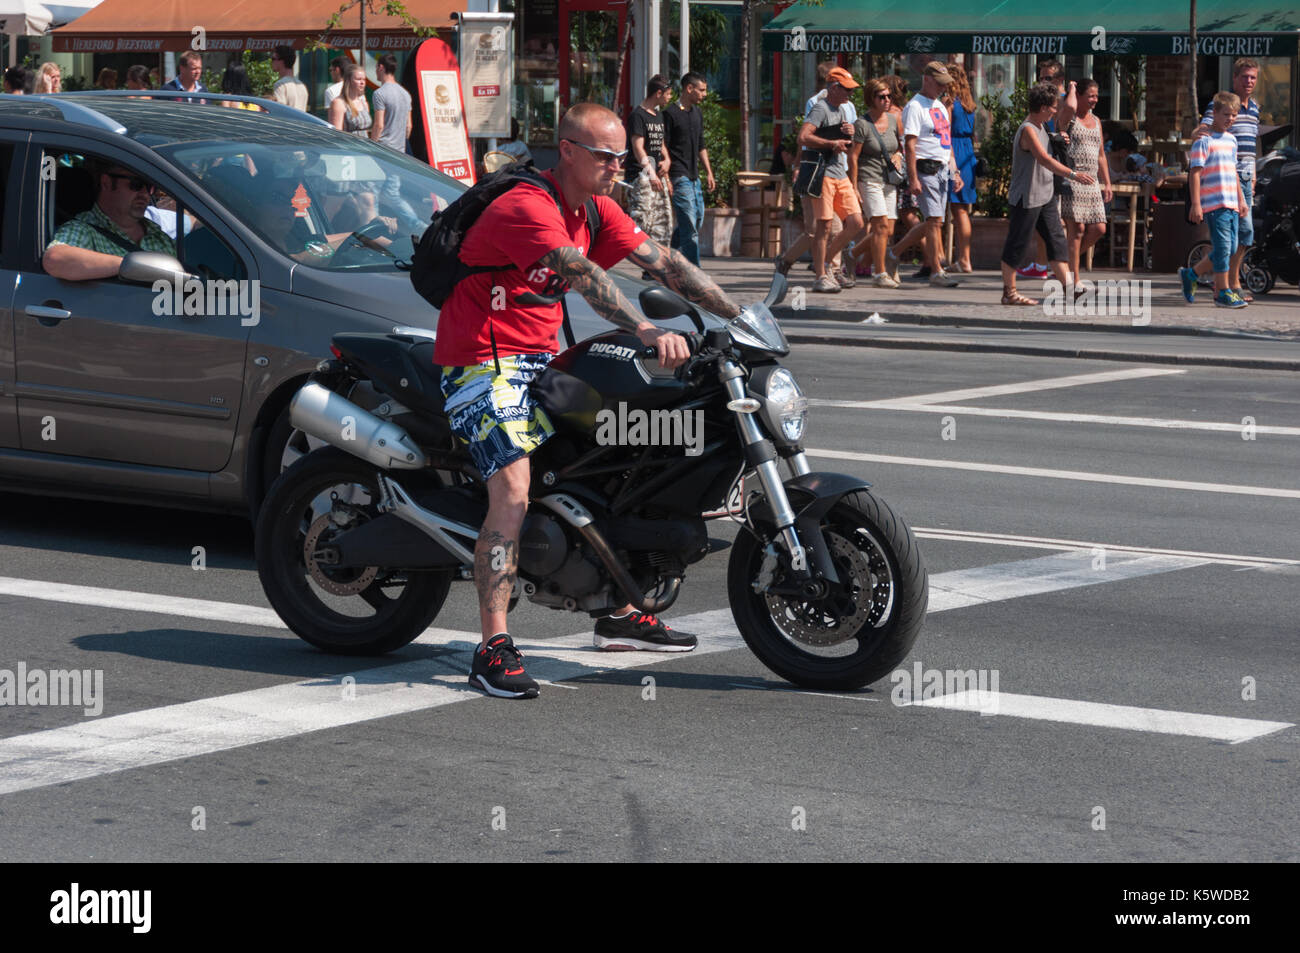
(840, 616)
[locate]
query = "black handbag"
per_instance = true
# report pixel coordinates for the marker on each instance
(1061, 153)
(812, 170)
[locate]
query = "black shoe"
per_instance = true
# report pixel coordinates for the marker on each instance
(498, 670)
(640, 631)
(923, 274)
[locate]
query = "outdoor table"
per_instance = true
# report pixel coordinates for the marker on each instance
(1135, 191)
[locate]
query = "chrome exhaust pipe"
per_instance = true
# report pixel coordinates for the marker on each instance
(325, 415)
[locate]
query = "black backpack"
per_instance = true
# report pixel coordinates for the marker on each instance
(436, 267)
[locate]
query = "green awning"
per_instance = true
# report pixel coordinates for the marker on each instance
(1152, 27)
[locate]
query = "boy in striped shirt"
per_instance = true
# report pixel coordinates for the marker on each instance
(1245, 129)
(1217, 197)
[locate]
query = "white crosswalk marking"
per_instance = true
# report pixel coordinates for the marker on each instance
(1215, 727)
(158, 735)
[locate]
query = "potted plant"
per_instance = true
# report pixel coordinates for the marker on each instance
(720, 234)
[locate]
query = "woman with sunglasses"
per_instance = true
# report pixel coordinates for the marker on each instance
(908, 210)
(877, 148)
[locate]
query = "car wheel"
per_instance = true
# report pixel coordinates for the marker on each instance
(284, 447)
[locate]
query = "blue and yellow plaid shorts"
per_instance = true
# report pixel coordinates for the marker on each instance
(495, 414)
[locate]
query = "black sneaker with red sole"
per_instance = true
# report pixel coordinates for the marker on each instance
(640, 632)
(498, 670)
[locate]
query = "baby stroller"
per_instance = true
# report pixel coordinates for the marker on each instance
(1275, 256)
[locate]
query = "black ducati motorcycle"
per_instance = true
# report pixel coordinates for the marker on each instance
(358, 543)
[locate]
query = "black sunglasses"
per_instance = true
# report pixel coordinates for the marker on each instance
(134, 182)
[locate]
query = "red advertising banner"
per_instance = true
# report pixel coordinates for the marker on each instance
(441, 108)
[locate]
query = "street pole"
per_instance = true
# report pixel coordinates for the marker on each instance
(1191, 56)
(363, 34)
(684, 42)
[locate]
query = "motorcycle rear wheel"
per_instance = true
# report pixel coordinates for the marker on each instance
(861, 631)
(368, 611)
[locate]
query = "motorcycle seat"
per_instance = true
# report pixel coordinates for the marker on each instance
(399, 365)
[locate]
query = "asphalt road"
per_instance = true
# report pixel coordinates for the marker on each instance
(1110, 549)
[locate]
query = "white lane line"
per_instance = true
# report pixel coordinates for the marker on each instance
(1154, 422)
(1215, 727)
(140, 602)
(157, 735)
(1080, 475)
(1024, 387)
(1031, 577)
(1043, 542)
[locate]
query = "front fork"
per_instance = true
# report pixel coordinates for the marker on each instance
(760, 455)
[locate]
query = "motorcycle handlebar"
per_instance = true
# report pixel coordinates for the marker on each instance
(694, 341)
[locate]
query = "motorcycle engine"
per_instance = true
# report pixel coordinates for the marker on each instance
(566, 576)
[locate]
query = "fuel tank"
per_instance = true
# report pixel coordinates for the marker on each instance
(599, 374)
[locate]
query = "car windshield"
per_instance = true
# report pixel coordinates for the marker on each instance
(346, 206)
(327, 199)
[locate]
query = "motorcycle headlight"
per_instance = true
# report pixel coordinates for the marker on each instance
(785, 408)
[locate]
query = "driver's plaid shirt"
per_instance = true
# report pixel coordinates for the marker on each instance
(78, 233)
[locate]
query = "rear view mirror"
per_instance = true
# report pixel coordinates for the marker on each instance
(659, 303)
(146, 267)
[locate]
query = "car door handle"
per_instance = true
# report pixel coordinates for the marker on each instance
(45, 314)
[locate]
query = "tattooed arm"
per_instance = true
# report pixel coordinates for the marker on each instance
(670, 267)
(591, 281)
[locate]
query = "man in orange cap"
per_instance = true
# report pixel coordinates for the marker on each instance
(827, 128)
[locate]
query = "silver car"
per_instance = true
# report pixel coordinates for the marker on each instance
(169, 383)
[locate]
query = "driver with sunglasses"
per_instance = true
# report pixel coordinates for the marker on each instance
(92, 244)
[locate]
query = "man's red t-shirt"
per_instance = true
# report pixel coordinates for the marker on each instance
(514, 232)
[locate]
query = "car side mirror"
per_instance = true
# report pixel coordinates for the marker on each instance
(146, 267)
(659, 303)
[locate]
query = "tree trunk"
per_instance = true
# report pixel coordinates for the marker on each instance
(622, 62)
(746, 152)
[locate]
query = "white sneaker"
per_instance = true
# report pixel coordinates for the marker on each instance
(884, 280)
(826, 285)
(941, 279)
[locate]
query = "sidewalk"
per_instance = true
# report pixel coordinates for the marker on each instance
(970, 317)
(976, 303)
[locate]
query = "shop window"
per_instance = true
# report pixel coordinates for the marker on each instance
(537, 83)
(1273, 91)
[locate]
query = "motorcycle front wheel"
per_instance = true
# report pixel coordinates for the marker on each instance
(863, 627)
(367, 611)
